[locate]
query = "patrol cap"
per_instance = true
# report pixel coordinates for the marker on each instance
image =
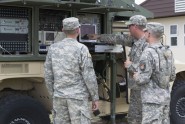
(137, 20)
(70, 23)
(155, 28)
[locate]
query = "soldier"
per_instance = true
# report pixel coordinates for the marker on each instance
(70, 77)
(155, 71)
(136, 24)
(137, 42)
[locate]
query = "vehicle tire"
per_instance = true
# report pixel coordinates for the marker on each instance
(177, 105)
(20, 109)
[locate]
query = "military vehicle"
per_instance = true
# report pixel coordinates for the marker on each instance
(29, 27)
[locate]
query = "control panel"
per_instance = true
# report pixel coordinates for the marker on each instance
(14, 27)
(90, 24)
(50, 28)
(46, 38)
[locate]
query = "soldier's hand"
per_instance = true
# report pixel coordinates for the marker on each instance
(93, 36)
(127, 63)
(95, 105)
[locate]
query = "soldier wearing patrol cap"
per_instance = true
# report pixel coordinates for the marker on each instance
(156, 69)
(70, 77)
(136, 24)
(137, 42)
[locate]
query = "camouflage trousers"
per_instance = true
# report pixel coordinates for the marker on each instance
(155, 114)
(71, 111)
(135, 107)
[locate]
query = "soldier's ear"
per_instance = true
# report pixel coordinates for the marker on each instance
(146, 35)
(78, 30)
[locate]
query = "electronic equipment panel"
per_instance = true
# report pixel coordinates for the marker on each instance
(50, 27)
(90, 24)
(86, 29)
(14, 28)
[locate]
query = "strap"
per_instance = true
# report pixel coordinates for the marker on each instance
(157, 54)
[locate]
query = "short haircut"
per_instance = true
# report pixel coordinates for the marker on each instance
(157, 35)
(67, 32)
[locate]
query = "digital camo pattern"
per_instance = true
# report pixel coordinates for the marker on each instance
(151, 92)
(70, 23)
(69, 71)
(137, 20)
(155, 28)
(166, 70)
(71, 111)
(155, 114)
(134, 113)
(137, 47)
(155, 99)
(123, 39)
(134, 55)
(135, 107)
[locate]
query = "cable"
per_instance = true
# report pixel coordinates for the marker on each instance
(5, 50)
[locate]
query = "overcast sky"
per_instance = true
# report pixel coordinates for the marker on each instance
(139, 1)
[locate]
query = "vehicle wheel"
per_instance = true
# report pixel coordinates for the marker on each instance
(20, 109)
(177, 105)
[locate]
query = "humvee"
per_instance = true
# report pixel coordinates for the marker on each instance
(29, 27)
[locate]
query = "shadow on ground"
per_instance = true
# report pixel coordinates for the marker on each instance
(120, 119)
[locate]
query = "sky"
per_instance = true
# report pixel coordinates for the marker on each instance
(139, 1)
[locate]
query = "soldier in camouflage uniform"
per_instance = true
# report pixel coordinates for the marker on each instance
(70, 77)
(137, 42)
(136, 25)
(155, 64)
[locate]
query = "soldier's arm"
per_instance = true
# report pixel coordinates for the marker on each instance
(89, 74)
(144, 69)
(48, 73)
(123, 39)
(132, 67)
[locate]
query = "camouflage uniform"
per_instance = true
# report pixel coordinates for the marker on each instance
(155, 99)
(135, 107)
(70, 78)
(72, 111)
(137, 47)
